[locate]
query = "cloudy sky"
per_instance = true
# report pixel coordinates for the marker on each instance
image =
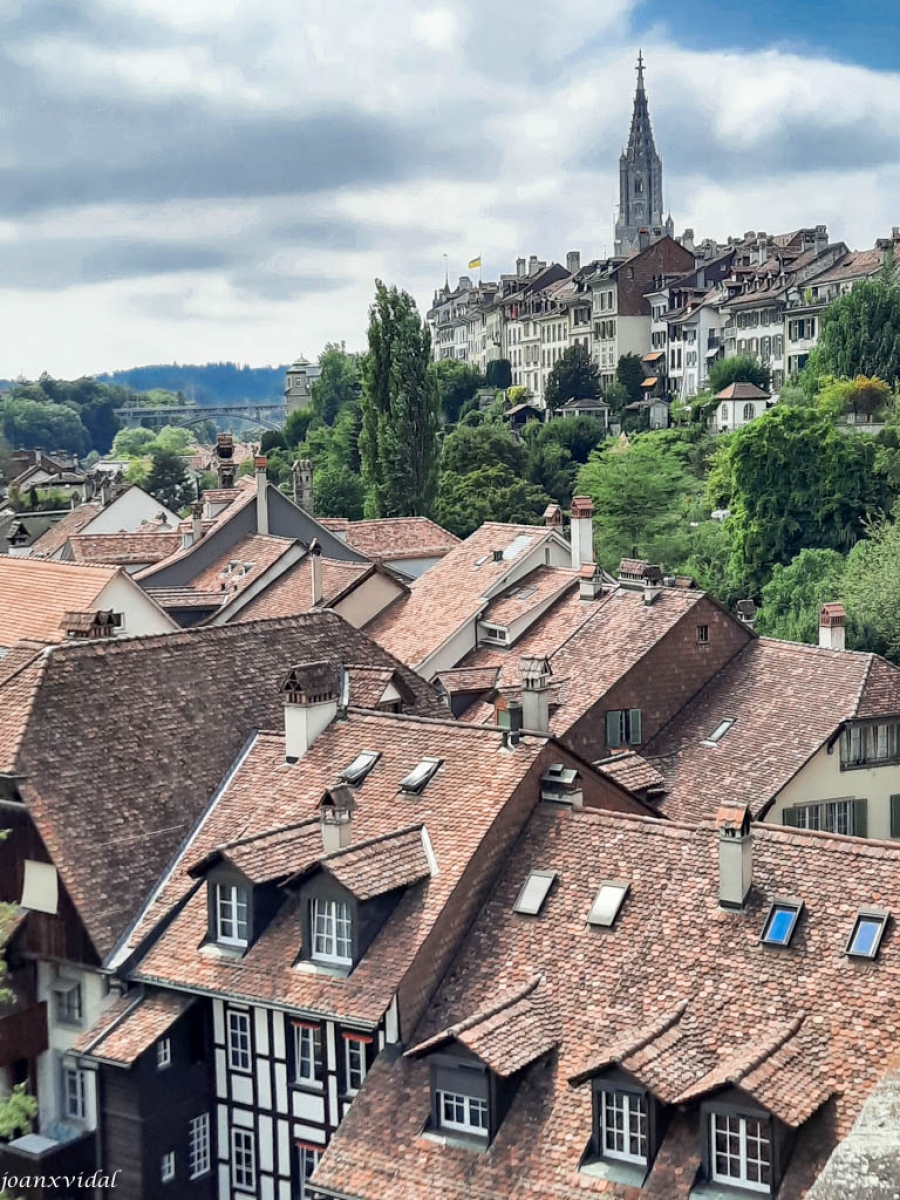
(200, 180)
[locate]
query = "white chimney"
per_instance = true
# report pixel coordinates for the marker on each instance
(196, 521)
(315, 568)
(582, 532)
(336, 810)
(311, 693)
(590, 582)
(536, 672)
(104, 489)
(735, 855)
(260, 465)
(832, 627)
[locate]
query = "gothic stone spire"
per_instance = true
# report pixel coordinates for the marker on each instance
(640, 175)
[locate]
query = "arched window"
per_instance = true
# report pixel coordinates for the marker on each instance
(749, 412)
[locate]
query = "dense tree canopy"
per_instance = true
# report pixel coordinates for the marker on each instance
(792, 598)
(398, 440)
(489, 493)
(457, 384)
(574, 377)
(743, 368)
(871, 589)
(339, 383)
(630, 375)
(498, 374)
(860, 332)
(168, 481)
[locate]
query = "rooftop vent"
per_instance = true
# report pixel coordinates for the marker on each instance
(336, 809)
(562, 785)
(735, 855)
(419, 776)
(311, 692)
(832, 626)
(497, 555)
(101, 624)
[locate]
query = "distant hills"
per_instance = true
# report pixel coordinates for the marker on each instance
(210, 383)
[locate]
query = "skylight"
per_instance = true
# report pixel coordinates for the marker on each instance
(517, 545)
(420, 775)
(781, 922)
(360, 767)
(719, 732)
(479, 562)
(607, 903)
(534, 892)
(868, 930)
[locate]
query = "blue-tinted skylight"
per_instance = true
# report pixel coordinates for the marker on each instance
(781, 923)
(868, 930)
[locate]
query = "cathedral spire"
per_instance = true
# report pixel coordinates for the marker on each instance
(640, 175)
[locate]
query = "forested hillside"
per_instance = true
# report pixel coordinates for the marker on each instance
(209, 383)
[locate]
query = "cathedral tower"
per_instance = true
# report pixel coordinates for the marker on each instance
(640, 178)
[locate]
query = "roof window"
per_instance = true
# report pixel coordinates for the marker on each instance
(360, 767)
(534, 892)
(719, 732)
(517, 545)
(420, 775)
(608, 901)
(781, 922)
(868, 930)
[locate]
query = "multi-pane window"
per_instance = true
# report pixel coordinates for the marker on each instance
(309, 1160)
(830, 816)
(623, 727)
(702, 635)
(74, 1099)
(198, 1146)
(868, 744)
(232, 914)
(68, 1004)
(167, 1167)
(354, 1064)
(163, 1053)
(623, 1125)
(469, 1114)
(308, 1054)
(332, 940)
(243, 1160)
(238, 1040)
(741, 1151)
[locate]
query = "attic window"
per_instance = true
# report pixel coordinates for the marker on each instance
(868, 930)
(781, 922)
(420, 775)
(606, 906)
(534, 892)
(496, 633)
(360, 767)
(719, 732)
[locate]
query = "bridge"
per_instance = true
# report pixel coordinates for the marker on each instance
(269, 416)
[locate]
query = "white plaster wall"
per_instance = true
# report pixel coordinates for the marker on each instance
(61, 1038)
(367, 600)
(142, 615)
(823, 779)
(127, 511)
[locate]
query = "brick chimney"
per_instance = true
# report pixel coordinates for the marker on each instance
(536, 672)
(832, 627)
(302, 479)
(553, 517)
(581, 534)
(104, 623)
(520, 268)
(735, 855)
(311, 693)
(261, 466)
(336, 809)
(532, 263)
(315, 569)
(590, 582)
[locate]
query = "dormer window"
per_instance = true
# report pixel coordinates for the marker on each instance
(496, 633)
(332, 931)
(232, 914)
(460, 1097)
(360, 767)
(740, 1150)
(622, 1126)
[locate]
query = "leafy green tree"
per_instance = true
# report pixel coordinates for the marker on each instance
(498, 374)
(641, 495)
(468, 449)
(168, 481)
(578, 435)
(173, 439)
(860, 332)
(489, 493)
(398, 440)
(574, 377)
(27, 424)
(710, 563)
(791, 480)
(338, 384)
(630, 375)
(743, 368)
(339, 493)
(860, 397)
(457, 384)
(272, 439)
(616, 396)
(297, 425)
(793, 596)
(131, 443)
(871, 589)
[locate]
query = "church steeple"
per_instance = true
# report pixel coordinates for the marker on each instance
(640, 176)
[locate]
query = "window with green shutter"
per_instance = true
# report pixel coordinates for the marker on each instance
(895, 816)
(623, 728)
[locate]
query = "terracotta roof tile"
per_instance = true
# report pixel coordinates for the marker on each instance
(35, 593)
(632, 771)
(383, 864)
(55, 538)
(131, 1025)
(241, 564)
(291, 592)
(529, 593)
(398, 537)
(123, 549)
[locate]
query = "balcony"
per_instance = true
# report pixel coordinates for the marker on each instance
(23, 1034)
(50, 1160)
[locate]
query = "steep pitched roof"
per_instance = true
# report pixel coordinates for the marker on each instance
(291, 592)
(742, 391)
(35, 595)
(682, 994)
(121, 742)
(73, 522)
(395, 538)
(786, 699)
(130, 1026)
(123, 549)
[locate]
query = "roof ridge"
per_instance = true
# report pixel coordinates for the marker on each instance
(485, 1014)
(769, 1048)
(862, 686)
(413, 827)
(256, 837)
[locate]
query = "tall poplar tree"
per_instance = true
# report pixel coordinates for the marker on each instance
(398, 441)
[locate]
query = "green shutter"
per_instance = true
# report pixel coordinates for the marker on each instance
(789, 817)
(895, 816)
(860, 818)
(634, 727)
(613, 730)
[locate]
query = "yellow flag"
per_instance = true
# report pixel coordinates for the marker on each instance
(476, 262)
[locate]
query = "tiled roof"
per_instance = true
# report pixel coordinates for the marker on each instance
(368, 685)
(273, 855)
(123, 549)
(35, 593)
(244, 498)
(185, 597)
(742, 391)
(854, 265)
(242, 564)
(679, 990)
(632, 772)
(131, 1025)
(528, 593)
(468, 679)
(786, 700)
(382, 864)
(56, 537)
(457, 807)
(291, 592)
(452, 591)
(397, 537)
(153, 723)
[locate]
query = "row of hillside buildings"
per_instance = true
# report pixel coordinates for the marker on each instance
(347, 860)
(678, 303)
